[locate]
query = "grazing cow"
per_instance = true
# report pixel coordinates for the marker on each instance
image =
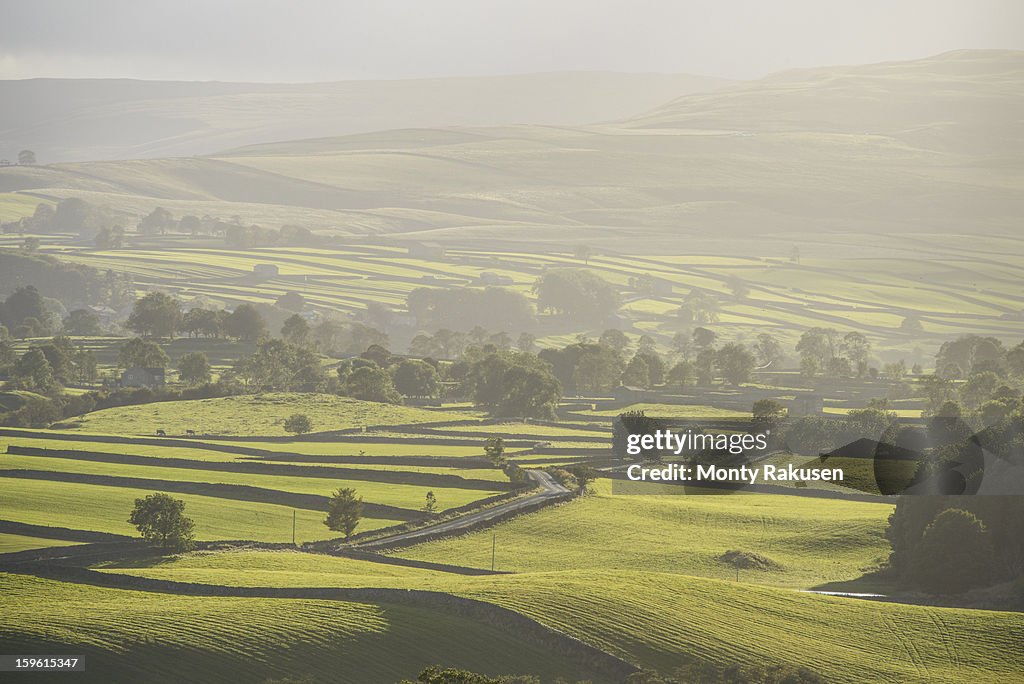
(190, 433)
(161, 433)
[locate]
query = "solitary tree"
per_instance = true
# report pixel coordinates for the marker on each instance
(194, 368)
(954, 554)
(345, 510)
(584, 475)
(139, 352)
(26, 158)
(298, 423)
(430, 505)
(494, 447)
(295, 329)
(161, 520)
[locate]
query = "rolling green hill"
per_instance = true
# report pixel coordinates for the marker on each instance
(122, 118)
(707, 164)
(665, 621)
(125, 636)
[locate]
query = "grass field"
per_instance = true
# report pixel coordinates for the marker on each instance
(668, 620)
(250, 415)
(813, 541)
(167, 638)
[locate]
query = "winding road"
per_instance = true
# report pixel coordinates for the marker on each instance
(548, 491)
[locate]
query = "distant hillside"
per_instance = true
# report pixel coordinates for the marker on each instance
(81, 120)
(929, 146)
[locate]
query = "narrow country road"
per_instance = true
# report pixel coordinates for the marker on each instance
(549, 491)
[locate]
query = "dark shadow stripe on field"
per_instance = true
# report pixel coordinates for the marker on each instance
(62, 533)
(260, 468)
(198, 443)
(310, 502)
(509, 621)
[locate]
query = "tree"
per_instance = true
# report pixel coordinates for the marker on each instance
(703, 338)
(155, 315)
(291, 301)
(507, 383)
(370, 383)
(681, 375)
(194, 368)
(34, 372)
(856, 347)
(978, 388)
(768, 412)
(109, 238)
(494, 448)
(26, 158)
(698, 307)
(138, 352)
(22, 304)
(277, 365)
(735, 363)
(614, 339)
(295, 329)
(597, 368)
(740, 290)
(583, 253)
(415, 378)
(298, 424)
(161, 519)
(245, 323)
(206, 322)
(344, 511)
(86, 365)
(430, 504)
(157, 222)
(955, 554)
(82, 322)
(526, 342)
(768, 350)
(584, 475)
(576, 292)
(637, 372)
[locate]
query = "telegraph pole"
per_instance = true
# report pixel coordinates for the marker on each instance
(494, 536)
(293, 527)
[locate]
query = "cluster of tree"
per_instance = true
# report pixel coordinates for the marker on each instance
(160, 221)
(577, 293)
(972, 354)
(71, 215)
(813, 434)
(951, 544)
(493, 308)
(703, 672)
(53, 283)
(824, 350)
(46, 367)
(160, 315)
(508, 383)
(450, 344)
(451, 675)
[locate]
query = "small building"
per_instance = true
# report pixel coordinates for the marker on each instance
(137, 376)
(266, 270)
(425, 250)
(661, 287)
(492, 278)
(807, 405)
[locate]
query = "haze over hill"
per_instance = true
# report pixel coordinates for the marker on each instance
(926, 146)
(101, 119)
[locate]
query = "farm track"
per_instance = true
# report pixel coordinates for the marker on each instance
(550, 492)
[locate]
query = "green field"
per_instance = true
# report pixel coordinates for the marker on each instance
(251, 415)
(666, 620)
(168, 638)
(813, 541)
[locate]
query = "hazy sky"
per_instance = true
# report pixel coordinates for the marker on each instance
(311, 40)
